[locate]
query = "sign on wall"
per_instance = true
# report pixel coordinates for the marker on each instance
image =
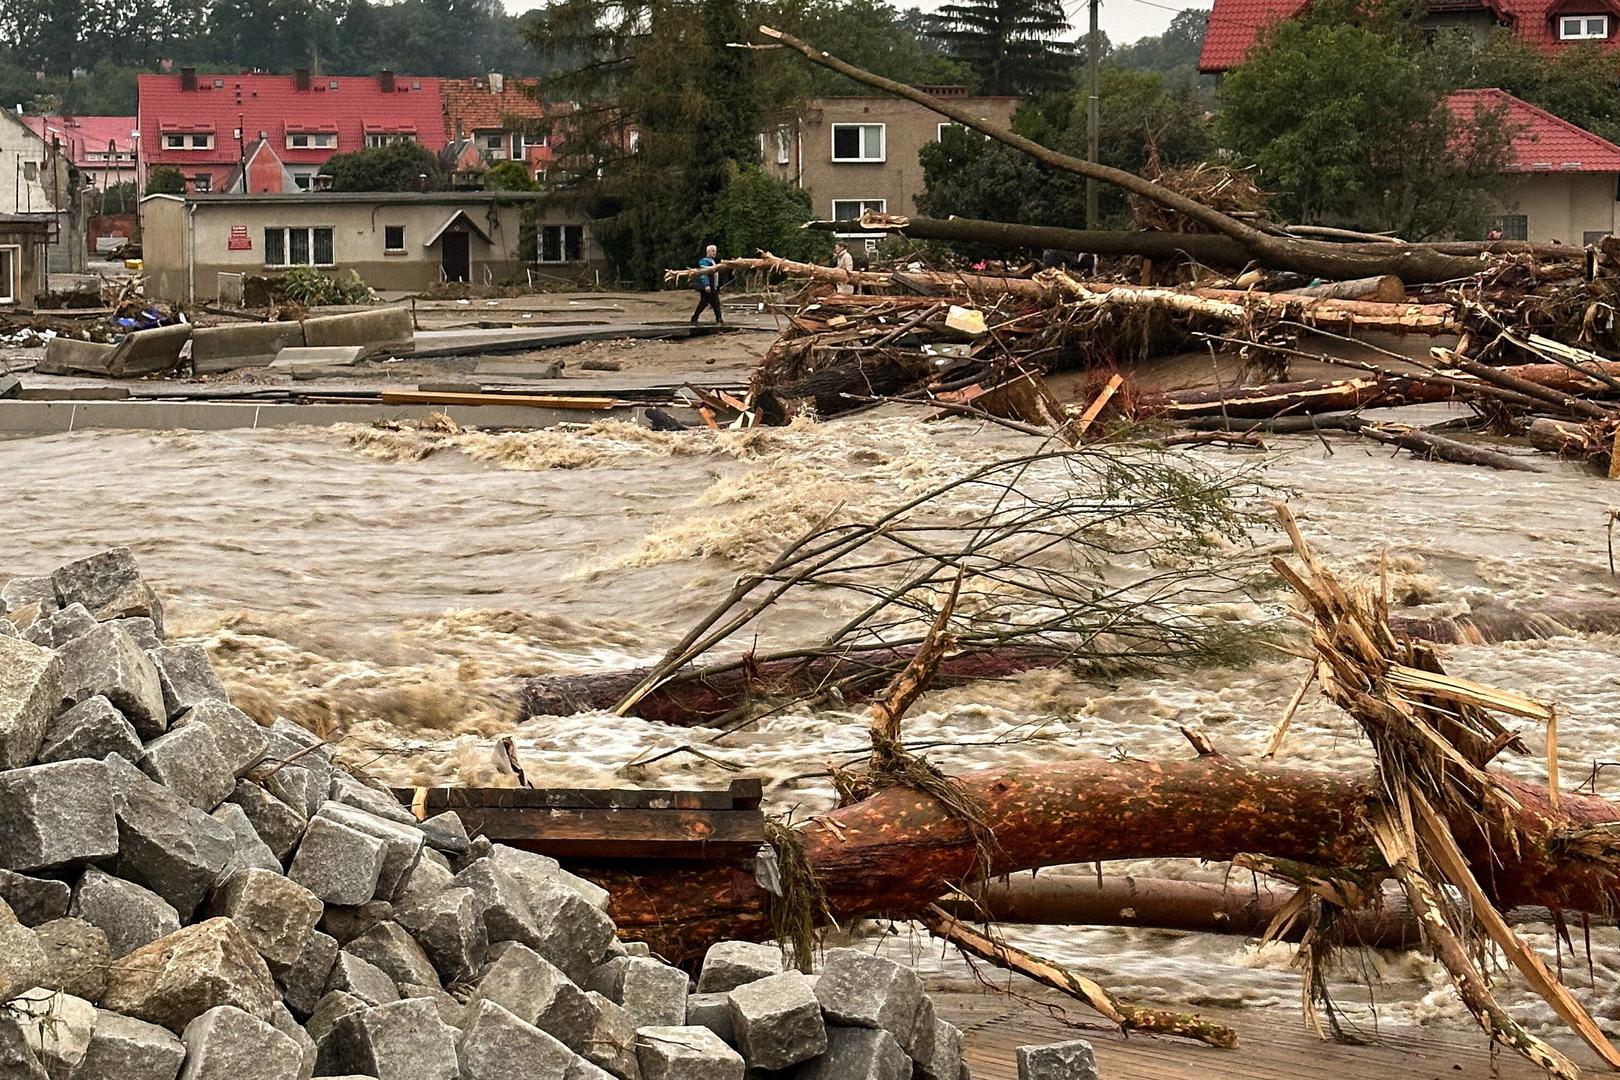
(239, 240)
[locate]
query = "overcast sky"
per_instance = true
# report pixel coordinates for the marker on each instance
(1122, 20)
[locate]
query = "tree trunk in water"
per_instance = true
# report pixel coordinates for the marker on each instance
(1570, 439)
(1385, 287)
(1241, 906)
(896, 852)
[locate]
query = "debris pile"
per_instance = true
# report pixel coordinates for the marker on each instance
(186, 892)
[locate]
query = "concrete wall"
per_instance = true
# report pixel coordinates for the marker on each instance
(359, 230)
(1565, 206)
(34, 179)
(898, 179)
(28, 244)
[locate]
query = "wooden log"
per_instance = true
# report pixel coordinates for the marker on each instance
(894, 853)
(1384, 287)
(1429, 446)
(1243, 906)
(1591, 442)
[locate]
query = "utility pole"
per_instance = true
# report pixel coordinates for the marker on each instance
(1093, 112)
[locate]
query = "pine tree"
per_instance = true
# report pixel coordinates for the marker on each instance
(1016, 46)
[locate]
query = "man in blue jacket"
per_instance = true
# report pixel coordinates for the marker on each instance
(708, 287)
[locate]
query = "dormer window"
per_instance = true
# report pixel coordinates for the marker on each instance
(1583, 27)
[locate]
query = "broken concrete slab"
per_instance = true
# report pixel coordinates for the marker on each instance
(70, 356)
(187, 677)
(276, 913)
(337, 863)
(777, 1021)
(147, 352)
(30, 693)
(677, 1052)
(307, 358)
(34, 900)
(124, 1048)
(225, 348)
(58, 814)
(93, 728)
(498, 1045)
(226, 1043)
(110, 585)
(177, 978)
(106, 661)
(129, 915)
(381, 329)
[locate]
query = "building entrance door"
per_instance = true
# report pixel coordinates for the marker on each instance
(455, 256)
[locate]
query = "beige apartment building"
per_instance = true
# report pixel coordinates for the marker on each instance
(404, 241)
(854, 154)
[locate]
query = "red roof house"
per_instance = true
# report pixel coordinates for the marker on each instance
(1542, 142)
(500, 117)
(103, 147)
(1235, 25)
(204, 125)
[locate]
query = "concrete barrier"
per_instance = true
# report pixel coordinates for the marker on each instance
(146, 352)
(239, 345)
(70, 356)
(388, 329)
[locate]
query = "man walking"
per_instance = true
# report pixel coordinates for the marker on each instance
(708, 287)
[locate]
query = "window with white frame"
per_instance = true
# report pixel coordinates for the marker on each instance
(492, 144)
(784, 145)
(522, 143)
(561, 243)
(852, 209)
(203, 141)
(311, 140)
(10, 268)
(298, 245)
(858, 142)
(394, 239)
(1583, 27)
(375, 139)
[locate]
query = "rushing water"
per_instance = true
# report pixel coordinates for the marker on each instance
(382, 587)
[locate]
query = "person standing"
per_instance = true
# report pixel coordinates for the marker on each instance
(708, 287)
(844, 261)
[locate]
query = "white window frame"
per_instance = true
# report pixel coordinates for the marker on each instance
(179, 140)
(1583, 27)
(522, 144)
(374, 139)
(492, 144)
(863, 159)
(562, 244)
(400, 250)
(286, 245)
(880, 206)
(784, 146)
(313, 140)
(10, 283)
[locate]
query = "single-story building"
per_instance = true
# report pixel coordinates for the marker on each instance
(23, 274)
(1568, 188)
(403, 241)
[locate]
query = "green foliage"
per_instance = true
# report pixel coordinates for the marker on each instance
(509, 176)
(757, 212)
(870, 34)
(164, 180)
(1347, 122)
(1015, 46)
(970, 176)
(311, 288)
(116, 199)
(1576, 83)
(1173, 54)
(399, 166)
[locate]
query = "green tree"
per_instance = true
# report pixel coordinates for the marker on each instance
(509, 176)
(165, 180)
(757, 212)
(399, 166)
(1348, 123)
(1016, 46)
(970, 176)
(1173, 54)
(1577, 83)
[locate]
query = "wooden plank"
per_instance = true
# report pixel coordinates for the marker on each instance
(444, 798)
(620, 833)
(537, 401)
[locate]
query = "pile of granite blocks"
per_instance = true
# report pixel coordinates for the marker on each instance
(185, 892)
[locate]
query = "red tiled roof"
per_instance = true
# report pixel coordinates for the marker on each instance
(1543, 143)
(274, 105)
(1234, 25)
(81, 135)
(478, 108)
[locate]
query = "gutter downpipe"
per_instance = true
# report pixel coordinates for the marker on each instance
(191, 253)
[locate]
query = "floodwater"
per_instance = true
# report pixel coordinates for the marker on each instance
(384, 587)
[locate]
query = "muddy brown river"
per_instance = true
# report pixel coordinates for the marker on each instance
(383, 587)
